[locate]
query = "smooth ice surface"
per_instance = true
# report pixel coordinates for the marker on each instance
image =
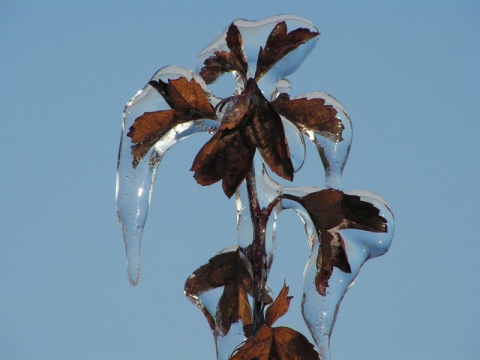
(254, 35)
(334, 154)
(320, 311)
(134, 185)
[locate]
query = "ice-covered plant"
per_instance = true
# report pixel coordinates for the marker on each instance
(256, 132)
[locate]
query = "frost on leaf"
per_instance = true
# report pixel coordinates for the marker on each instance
(233, 271)
(279, 343)
(187, 101)
(331, 211)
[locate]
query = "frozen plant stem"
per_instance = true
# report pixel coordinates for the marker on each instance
(258, 256)
(261, 127)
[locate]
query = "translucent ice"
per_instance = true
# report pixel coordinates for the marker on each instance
(135, 184)
(259, 198)
(320, 311)
(254, 35)
(333, 153)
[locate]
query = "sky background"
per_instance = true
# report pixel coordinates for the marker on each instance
(407, 72)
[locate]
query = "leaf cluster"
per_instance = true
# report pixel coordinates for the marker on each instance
(276, 343)
(252, 122)
(231, 270)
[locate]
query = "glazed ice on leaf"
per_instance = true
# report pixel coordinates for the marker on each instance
(257, 132)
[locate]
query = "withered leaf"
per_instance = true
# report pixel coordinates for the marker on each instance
(331, 211)
(310, 114)
(362, 215)
(226, 156)
(278, 343)
(279, 44)
(148, 129)
(232, 270)
(253, 123)
(216, 66)
(226, 61)
(235, 44)
(256, 347)
(229, 266)
(188, 102)
(234, 305)
(279, 307)
(289, 344)
(268, 134)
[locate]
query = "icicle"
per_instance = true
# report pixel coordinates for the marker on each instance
(344, 229)
(135, 184)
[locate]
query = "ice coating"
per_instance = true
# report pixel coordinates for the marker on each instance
(207, 301)
(320, 311)
(135, 183)
(334, 154)
(254, 35)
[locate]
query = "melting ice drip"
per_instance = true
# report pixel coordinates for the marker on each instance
(135, 185)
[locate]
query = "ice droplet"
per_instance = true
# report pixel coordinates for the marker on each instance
(333, 153)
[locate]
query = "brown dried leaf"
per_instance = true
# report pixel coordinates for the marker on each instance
(325, 208)
(235, 44)
(147, 130)
(279, 307)
(279, 343)
(331, 211)
(186, 97)
(289, 344)
(362, 215)
(331, 253)
(234, 305)
(279, 44)
(310, 114)
(226, 156)
(253, 123)
(231, 266)
(226, 61)
(188, 102)
(151, 122)
(232, 270)
(256, 347)
(216, 66)
(267, 133)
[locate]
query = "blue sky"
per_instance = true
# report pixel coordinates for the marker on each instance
(406, 71)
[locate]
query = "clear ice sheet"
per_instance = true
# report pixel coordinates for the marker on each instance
(135, 185)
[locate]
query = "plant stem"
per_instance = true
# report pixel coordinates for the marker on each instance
(258, 255)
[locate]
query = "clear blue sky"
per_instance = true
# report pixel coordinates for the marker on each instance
(407, 72)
